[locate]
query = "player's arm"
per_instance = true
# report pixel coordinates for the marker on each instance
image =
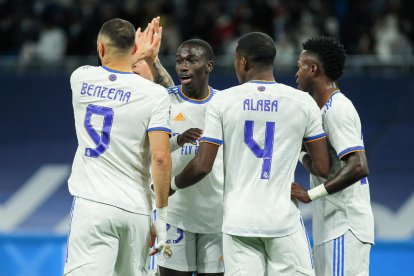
(160, 166)
(198, 168)
(159, 73)
(356, 168)
(316, 159)
(161, 176)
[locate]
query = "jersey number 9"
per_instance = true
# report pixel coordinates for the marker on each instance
(101, 141)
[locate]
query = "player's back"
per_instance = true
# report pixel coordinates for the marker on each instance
(113, 113)
(264, 125)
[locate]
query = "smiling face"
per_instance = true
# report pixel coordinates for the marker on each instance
(192, 66)
(306, 71)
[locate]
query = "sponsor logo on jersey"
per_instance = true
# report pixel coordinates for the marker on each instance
(179, 117)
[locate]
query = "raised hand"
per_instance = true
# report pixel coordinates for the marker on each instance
(149, 41)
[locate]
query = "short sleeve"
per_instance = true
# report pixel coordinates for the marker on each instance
(343, 131)
(213, 130)
(314, 130)
(160, 115)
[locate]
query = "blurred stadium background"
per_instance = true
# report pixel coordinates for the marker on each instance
(42, 41)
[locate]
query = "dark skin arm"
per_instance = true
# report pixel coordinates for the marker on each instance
(199, 167)
(317, 159)
(355, 169)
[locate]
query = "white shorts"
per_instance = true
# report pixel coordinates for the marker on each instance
(193, 252)
(288, 255)
(105, 240)
(344, 256)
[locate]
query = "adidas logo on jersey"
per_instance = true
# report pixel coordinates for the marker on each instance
(179, 117)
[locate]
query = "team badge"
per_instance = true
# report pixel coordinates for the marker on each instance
(167, 252)
(261, 88)
(112, 77)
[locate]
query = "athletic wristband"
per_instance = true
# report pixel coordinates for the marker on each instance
(174, 143)
(318, 192)
(161, 213)
(302, 155)
(173, 186)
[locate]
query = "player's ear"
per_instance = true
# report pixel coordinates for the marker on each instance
(135, 48)
(209, 66)
(101, 49)
(315, 69)
(244, 64)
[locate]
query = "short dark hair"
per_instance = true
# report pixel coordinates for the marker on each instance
(257, 47)
(120, 32)
(330, 53)
(208, 51)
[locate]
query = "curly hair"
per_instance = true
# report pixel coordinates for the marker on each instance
(330, 53)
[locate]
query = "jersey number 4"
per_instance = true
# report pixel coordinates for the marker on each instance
(267, 151)
(101, 141)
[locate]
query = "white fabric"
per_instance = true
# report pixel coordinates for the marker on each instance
(287, 255)
(161, 227)
(317, 192)
(350, 208)
(193, 252)
(257, 198)
(130, 107)
(98, 232)
(343, 256)
(198, 209)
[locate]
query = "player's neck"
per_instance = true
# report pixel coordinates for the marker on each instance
(199, 92)
(122, 65)
(260, 76)
(324, 91)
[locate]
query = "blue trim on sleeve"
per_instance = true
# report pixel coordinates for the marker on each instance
(316, 137)
(348, 150)
(212, 140)
(164, 129)
(115, 71)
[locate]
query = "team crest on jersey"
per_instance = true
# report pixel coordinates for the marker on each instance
(261, 88)
(112, 77)
(179, 117)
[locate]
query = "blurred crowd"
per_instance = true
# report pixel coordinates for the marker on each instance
(49, 30)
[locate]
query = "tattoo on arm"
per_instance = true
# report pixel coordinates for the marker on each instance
(161, 75)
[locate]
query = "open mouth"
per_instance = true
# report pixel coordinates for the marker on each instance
(185, 79)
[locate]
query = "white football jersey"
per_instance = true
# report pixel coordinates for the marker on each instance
(262, 126)
(199, 208)
(114, 112)
(350, 208)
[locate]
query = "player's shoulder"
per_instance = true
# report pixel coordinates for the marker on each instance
(83, 71)
(338, 103)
